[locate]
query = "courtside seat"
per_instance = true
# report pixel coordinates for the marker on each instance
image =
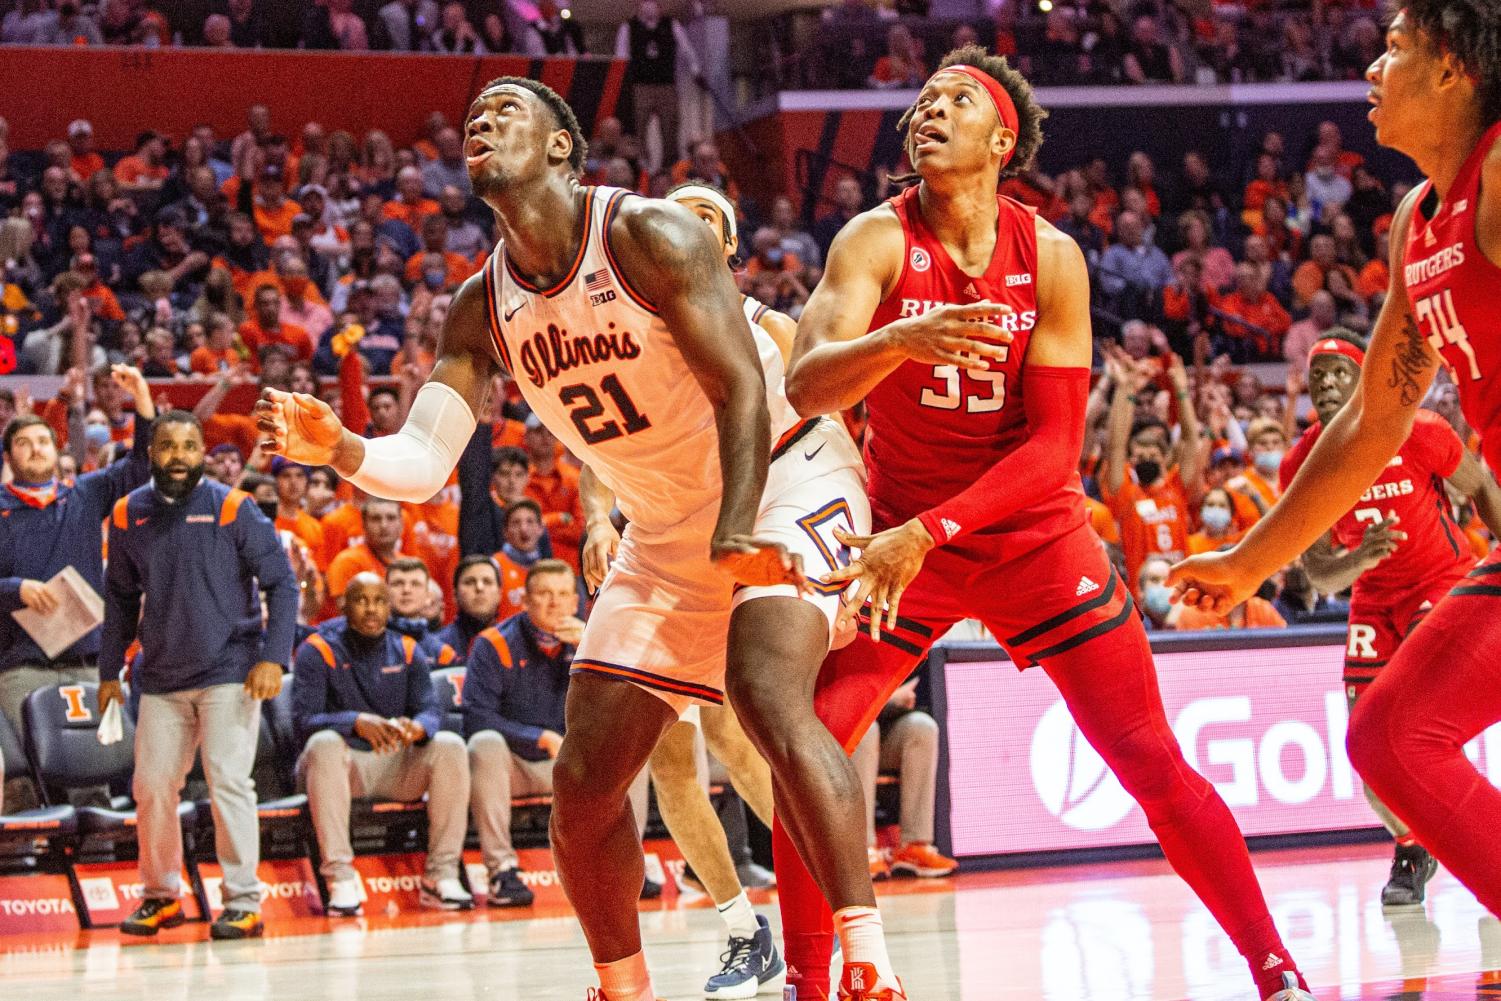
(26, 827)
(62, 742)
(448, 685)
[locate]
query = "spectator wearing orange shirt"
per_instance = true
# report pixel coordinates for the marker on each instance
(1251, 317)
(1376, 276)
(769, 255)
(456, 267)
(1313, 274)
(273, 211)
(217, 354)
(1253, 613)
(1266, 184)
(85, 162)
(522, 548)
(146, 169)
(264, 327)
(291, 489)
(902, 64)
(1268, 443)
(1217, 518)
(1148, 495)
(554, 485)
(105, 305)
(302, 306)
(410, 206)
(382, 524)
(703, 164)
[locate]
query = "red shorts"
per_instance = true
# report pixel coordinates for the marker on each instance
(1380, 622)
(1038, 605)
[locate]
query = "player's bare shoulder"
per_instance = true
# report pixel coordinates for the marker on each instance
(656, 240)
(1060, 262)
(873, 242)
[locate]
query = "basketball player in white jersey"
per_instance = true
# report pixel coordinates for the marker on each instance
(623, 329)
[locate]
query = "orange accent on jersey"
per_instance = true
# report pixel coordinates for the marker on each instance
(408, 648)
(77, 711)
(446, 656)
(120, 517)
(502, 648)
(230, 509)
(321, 645)
(456, 679)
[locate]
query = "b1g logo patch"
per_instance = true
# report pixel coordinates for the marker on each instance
(920, 259)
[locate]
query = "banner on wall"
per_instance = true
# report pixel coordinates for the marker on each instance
(1266, 726)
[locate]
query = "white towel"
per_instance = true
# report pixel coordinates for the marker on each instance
(112, 725)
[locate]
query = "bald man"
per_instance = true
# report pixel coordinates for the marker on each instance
(363, 704)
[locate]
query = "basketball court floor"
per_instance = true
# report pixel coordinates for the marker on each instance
(1122, 931)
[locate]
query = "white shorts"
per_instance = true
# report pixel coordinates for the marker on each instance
(663, 612)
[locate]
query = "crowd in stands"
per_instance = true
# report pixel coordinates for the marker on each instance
(858, 43)
(323, 262)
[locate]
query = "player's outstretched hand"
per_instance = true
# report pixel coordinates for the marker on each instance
(886, 565)
(297, 426)
(1212, 582)
(757, 562)
(951, 334)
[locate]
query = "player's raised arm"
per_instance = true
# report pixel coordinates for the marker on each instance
(835, 364)
(413, 464)
(1350, 454)
(673, 260)
(1475, 482)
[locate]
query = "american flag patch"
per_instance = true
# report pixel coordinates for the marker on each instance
(597, 281)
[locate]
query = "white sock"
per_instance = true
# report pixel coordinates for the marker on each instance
(739, 916)
(864, 940)
(626, 979)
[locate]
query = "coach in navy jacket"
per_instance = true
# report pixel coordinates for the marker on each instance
(46, 525)
(204, 554)
(364, 706)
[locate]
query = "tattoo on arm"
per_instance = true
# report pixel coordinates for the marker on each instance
(1412, 360)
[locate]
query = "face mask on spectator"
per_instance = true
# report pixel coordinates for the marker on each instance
(1147, 471)
(97, 435)
(1216, 519)
(1268, 463)
(268, 508)
(434, 279)
(1157, 598)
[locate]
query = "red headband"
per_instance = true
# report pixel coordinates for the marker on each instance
(1335, 346)
(1004, 107)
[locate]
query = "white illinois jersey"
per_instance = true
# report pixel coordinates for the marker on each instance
(601, 370)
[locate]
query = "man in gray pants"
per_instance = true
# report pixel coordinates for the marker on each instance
(364, 705)
(204, 553)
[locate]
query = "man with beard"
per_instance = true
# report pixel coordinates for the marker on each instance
(202, 551)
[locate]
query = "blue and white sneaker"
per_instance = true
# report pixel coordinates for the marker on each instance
(751, 966)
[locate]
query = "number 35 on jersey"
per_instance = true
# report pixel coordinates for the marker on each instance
(975, 390)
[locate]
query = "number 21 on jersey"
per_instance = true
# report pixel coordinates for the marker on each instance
(952, 396)
(1437, 314)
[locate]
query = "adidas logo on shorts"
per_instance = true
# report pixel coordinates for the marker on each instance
(1086, 586)
(950, 528)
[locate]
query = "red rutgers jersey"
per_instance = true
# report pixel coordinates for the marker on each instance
(936, 429)
(1412, 488)
(1454, 290)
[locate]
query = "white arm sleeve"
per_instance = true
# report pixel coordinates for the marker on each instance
(413, 464)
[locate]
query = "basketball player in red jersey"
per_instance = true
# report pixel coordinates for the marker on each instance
(1436, 96)
(1398, 575)
(974, 490)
